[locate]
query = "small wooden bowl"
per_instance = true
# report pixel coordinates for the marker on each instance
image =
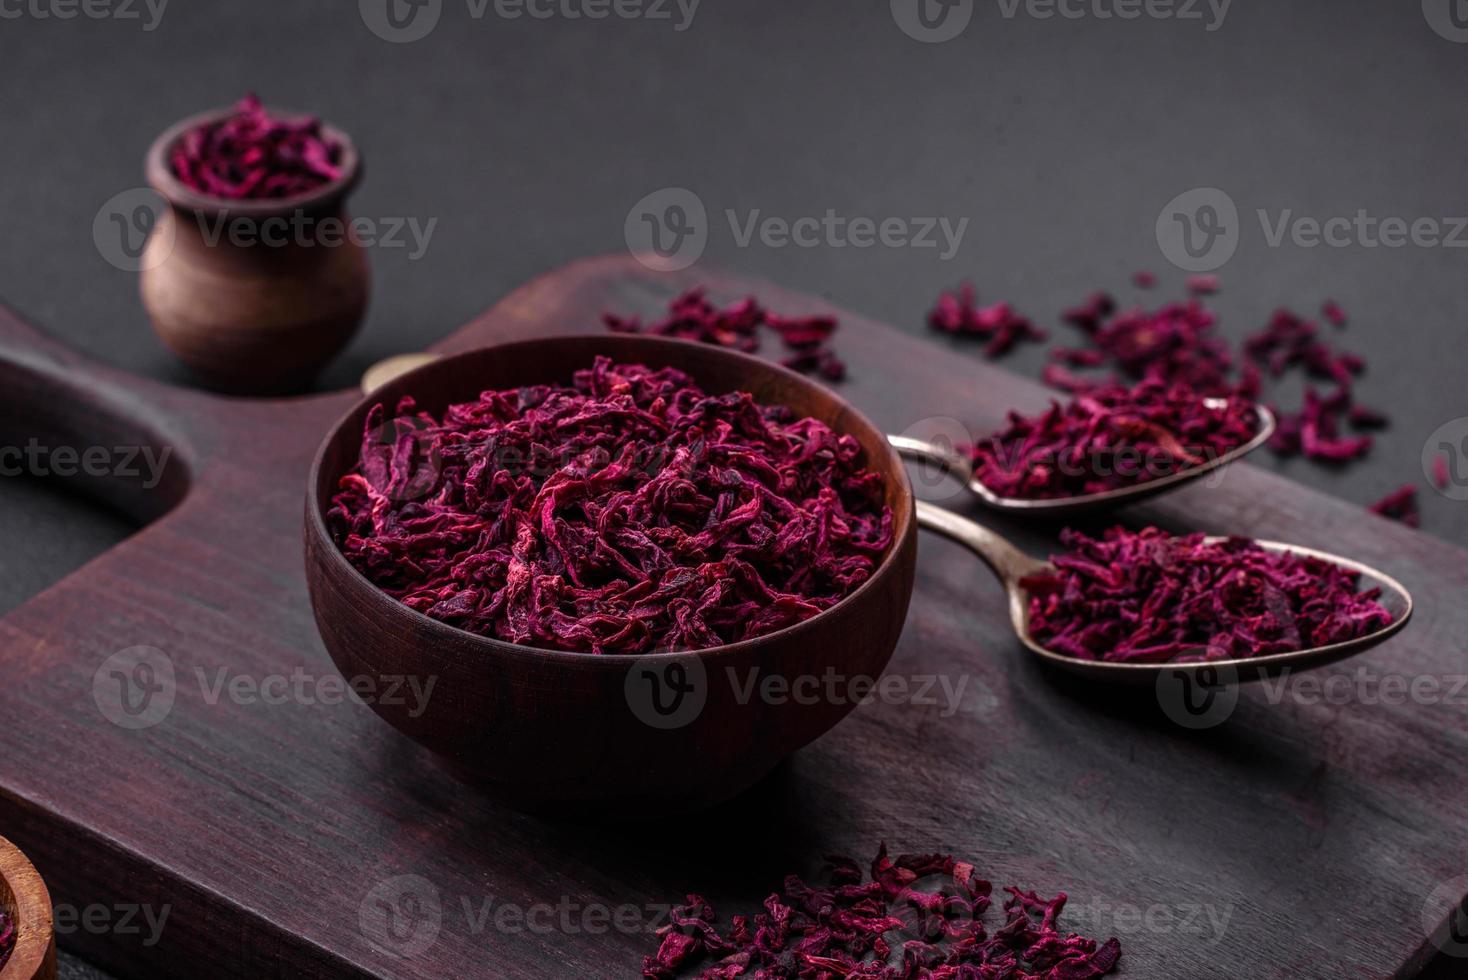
(24, 898)
(252, 318)
(544, 727)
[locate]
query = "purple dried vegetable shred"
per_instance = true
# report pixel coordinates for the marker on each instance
(1144, 279)
(1090, 314)
(254, 155)
(1177, 343)
(1400, 505)
(692, 316)
(1149, 597)
(1111, 437)
(1289, 341)
(1172, 344)
(958, 313)
(7, 937)
(629, 512)
(1441, 475)
(1058, 376)
(916, 916)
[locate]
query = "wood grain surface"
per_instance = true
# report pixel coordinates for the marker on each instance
(1303, 838)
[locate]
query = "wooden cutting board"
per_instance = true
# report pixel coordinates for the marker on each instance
(1296, 839)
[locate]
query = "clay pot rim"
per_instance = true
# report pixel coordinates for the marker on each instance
(161, 178)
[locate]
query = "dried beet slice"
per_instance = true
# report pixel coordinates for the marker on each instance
(1400, 505)
(691, 316)
(916, 916)
(254, 155)
(958, 313)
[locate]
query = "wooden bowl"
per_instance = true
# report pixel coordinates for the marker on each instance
(24, 898)
(543, 727)
(257, 318)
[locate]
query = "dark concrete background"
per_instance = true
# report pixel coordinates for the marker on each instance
(529, 140)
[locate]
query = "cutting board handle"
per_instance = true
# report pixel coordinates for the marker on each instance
(101, 431)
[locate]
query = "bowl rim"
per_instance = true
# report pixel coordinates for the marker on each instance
(904, 518)
(35, 930)
(161, 178)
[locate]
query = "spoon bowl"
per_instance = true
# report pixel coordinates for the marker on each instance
(1012, 566)
(961, 468)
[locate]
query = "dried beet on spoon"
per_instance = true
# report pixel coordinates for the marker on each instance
(1105, 448)
(1137, 604)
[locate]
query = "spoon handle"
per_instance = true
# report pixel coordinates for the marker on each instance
(1007, 561)
(947, 460)
(390, 369)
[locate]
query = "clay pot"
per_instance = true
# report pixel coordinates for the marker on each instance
(254, 296)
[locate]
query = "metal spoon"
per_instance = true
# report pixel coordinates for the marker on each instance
(961, 468)
(393, 367)
(1012, 565)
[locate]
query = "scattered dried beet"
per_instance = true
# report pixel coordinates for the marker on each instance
(958, 313)
(628, 513)
(1144, 279)
(1090, 315)
(254, 155)
(1149, 597)
(1172, 344)
(1057, 376)
(1289, 340)
(1400, 505)
(1109, 438)
(919, 916)
(1441, 476)
(692, 317)
(7, 937)
(1314, 431)
(1177, 344)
